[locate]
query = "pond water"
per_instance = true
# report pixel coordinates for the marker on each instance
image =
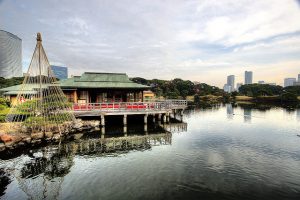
(225, 152)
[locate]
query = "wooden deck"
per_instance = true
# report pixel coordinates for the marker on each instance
(128, 108)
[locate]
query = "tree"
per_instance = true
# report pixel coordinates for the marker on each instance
(287, 96)
(255, 90)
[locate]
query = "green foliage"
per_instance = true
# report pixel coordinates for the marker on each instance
(287, 96)
(293, 89)
(196, 99)
(2, 107)
(27, 107)
(10, 82)
(178, 88)
(234, 94)
(2, 118)
(204, 89)
(35, 121)
(4, 102)
(43, 121)
(255, 90)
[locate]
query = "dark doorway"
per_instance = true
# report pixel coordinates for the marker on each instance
(93, 96)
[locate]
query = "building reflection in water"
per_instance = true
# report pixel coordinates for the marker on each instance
(229, 110)
(298, 114)
(41, 177)
(247, 115)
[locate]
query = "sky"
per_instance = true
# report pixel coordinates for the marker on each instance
(203, 40)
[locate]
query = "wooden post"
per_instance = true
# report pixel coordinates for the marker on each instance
(125, 130)
(181, 115)
(168, 117)
(146, 119)
(102, 132)
(75, 96)
(125, 120)
(146, 129)
(153, 118)
(102, 120)
(159, 117)
(164, 118)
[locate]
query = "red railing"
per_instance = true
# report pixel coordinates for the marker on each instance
(131, 106)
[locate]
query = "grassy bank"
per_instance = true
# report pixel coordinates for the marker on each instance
(275, 98)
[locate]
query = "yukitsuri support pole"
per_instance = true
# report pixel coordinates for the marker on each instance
(41, 105)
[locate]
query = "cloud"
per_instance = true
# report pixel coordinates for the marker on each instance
(160, 39)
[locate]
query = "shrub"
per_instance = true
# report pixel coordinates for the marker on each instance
(2, 118)
(2, 107)
(4, 102)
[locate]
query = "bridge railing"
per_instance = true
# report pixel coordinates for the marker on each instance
(130, 106)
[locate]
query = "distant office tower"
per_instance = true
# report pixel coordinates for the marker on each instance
(248, 77)
(289, 82)
(296, 83)
(227, 88)
(60, 72)
(10, 55)
(298, 77)
(230, 82)
(238, 85)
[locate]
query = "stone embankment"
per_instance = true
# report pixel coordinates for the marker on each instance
(12, 140)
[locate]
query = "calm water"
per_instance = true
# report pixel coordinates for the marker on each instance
(228, 152)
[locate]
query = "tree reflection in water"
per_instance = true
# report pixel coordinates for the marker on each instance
(40, 173)
(41, 177)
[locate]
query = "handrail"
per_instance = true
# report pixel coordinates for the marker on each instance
(131, 106)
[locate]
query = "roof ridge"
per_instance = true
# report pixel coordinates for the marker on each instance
(104, 73)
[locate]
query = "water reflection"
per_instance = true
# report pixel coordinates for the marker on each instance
(229, 110)
(41, 174)
(4, 181)
(217, 159)
(247, 115)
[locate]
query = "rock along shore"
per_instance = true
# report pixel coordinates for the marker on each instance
(12, 141)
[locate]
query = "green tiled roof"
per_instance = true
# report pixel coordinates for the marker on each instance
(101, 80)
(103, 77)
(28, 89)
(87, 80)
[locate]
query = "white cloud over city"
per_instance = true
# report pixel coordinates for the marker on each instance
(198, 40)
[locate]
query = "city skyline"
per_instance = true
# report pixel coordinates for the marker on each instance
(193, 40)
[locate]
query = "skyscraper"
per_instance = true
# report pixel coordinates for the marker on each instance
(230, 82)
(10, 55)
(227, 88)
(248, 77)
(298, 77)
(60, 72)
(289, 82)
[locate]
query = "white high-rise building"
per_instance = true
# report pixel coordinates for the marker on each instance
(10, 55)
(297, 83)
(227, 88)
(289, 82)
(248, 77)
(230, 82)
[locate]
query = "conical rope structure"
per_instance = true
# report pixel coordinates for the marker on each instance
(41, 105)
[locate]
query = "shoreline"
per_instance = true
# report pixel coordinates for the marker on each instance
(13, 140)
